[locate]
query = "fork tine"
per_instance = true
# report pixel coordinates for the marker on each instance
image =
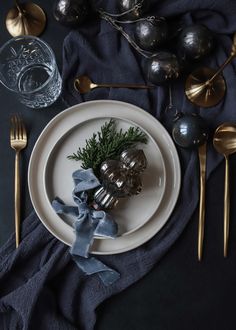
(24, 135)
(17, 121)
(14, 122)
(12, 129)
(20, 123)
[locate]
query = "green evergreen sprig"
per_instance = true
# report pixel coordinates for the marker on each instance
(107, 144)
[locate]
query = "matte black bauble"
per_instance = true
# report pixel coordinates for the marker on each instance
(151, 33)
(126, 5)
(189, 131)
(195, 42)
(162, 68)
(71, 12)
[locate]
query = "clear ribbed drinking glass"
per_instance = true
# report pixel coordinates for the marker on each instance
(28, 68)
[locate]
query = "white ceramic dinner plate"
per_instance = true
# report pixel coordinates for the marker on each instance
(140, 217)
(129, 214)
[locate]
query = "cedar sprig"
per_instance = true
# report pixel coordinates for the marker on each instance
(107, 144)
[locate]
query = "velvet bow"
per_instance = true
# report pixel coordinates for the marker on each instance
(88, 223)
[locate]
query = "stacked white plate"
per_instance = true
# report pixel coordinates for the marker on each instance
(50, 173)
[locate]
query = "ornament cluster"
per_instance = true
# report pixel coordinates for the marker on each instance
(120, 178)
(168, 53)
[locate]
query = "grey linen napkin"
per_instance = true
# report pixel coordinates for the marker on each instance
(40, 286)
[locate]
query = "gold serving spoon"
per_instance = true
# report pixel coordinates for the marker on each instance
(25, 19)
(224, 141)
(206, 87)
(83, 85)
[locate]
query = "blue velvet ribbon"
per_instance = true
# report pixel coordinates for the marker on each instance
(88, 223)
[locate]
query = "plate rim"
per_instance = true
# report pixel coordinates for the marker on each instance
(174, 164)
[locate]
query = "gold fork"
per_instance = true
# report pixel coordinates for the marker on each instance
(18, 141)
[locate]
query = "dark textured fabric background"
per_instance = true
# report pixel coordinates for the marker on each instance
(41, 288)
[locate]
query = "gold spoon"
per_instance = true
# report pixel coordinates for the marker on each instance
(83, 85)
(224, 141)
(25, 19)
(206, 87)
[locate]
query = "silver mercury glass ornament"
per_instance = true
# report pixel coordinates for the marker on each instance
(134, 160)
(120, 178)
(114, 177)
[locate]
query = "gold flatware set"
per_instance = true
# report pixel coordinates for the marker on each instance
(224, 141)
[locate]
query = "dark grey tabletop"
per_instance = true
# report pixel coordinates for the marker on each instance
(179, 293)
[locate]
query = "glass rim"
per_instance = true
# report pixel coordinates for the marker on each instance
(54, 64)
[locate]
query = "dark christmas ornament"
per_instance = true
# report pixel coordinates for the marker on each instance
(195, 42)
(162, 68)
(151, 32)
(189, 131)
(71, 12)
(135, 8)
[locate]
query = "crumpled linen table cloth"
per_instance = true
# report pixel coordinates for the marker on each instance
(40, 285)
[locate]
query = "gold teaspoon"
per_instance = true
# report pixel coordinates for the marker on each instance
(224, 141)
(83, 85)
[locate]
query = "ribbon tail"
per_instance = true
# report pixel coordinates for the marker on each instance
(84, 237)
(94, 266)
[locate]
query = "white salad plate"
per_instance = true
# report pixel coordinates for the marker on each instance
(50, 173)
(129, 214)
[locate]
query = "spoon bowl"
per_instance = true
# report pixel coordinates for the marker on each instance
(224, 141)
